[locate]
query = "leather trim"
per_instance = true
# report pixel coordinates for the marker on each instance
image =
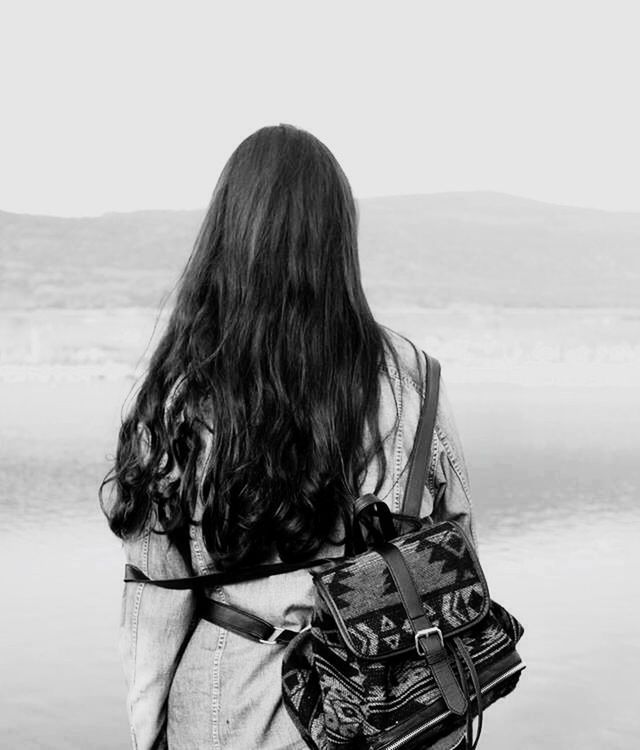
(243, 623)
(435, 651)
(421, 452)
(133, 574)
(403, 579)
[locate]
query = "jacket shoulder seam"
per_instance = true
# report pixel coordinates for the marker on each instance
(402, 377)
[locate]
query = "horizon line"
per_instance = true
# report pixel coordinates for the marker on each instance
(393, 196)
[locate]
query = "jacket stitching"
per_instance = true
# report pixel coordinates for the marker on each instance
(433, 460)
(399, 446)
(393, 372)
(134, 626)
(215, 676)
(454, 464)
(403, 378)
(203, 568)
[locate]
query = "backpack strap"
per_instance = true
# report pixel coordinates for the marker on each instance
(421, 451)
(243, 623)
(226, 616)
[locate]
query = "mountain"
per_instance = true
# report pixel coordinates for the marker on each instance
(479, 248)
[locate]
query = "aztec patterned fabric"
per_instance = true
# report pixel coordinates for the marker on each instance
(363, 599)
(356, 672)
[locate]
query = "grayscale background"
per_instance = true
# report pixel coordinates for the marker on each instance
(493, 149)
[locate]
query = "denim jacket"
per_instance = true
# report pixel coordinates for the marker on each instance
(192, 684)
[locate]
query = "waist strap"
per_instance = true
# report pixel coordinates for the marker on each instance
(133, 574)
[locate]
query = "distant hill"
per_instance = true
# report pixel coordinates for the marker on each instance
(428, 250)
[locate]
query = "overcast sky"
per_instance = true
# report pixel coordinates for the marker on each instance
(116, 106)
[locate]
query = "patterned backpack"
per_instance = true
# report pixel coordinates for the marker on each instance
(405, 646)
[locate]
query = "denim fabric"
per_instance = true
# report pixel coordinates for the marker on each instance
(194, 685)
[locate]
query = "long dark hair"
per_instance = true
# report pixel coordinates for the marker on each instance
(259, 395)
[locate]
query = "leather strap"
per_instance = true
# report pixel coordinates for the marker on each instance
(473, 674)
(468, 735)
(373, 523)
(133, 574)
(243, 623)
(429, 637)
(421, 452)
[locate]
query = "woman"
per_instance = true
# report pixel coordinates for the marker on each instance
(271, 402)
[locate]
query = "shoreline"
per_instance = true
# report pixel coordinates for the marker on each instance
(475, 343)
(526, 374)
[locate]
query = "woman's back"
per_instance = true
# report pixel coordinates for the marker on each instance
(223, 690)
(273, 399)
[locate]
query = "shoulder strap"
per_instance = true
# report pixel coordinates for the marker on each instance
(421, 452)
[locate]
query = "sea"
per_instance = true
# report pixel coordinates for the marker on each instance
(552, 448)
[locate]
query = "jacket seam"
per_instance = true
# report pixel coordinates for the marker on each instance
(399, 448)
(198, 552)
(454, 464)
(392, 371)
(134, 628)
(436, 451)
(215, 677)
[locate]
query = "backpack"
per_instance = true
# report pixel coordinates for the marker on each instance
(405, 645)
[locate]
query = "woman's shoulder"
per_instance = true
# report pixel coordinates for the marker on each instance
(404, 360)
(406, 365)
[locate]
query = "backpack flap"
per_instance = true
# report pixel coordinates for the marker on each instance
(362, 598)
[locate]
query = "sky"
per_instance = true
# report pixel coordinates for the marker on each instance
(119, 106)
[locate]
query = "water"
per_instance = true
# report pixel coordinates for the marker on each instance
(555, 481)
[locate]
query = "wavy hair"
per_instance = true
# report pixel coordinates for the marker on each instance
(261, 390)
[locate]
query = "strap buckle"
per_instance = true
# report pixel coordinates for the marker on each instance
(421, 647)
(272, 640)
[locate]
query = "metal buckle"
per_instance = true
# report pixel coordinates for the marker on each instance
(425, 633)
(271, 640)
